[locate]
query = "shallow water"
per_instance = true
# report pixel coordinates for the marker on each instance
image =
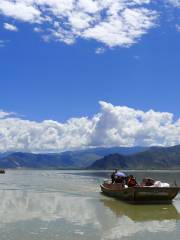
(68, 205)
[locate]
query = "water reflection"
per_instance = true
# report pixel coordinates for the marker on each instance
(133, 220)
(26, 205)
(57, 205)
(125, 227)
(142, 212)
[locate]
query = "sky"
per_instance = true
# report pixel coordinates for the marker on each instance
(81, 73)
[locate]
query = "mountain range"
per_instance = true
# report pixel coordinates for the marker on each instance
(97, 158)
(64, 160)
(152, 158)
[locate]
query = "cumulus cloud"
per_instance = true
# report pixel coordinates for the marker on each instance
(112, 126)
(124, 29)
(111, 22)
(20, 9)
(10, 27)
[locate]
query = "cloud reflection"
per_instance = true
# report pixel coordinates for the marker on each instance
(125, 227)
(25, 205)
(110, 219)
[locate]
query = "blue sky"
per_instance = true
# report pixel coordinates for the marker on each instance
(54, 80)
(45, 75)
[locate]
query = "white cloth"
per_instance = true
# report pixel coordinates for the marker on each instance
(160, 184)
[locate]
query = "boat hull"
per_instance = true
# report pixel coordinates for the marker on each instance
(141, 194)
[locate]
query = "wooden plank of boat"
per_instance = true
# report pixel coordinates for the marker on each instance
(141, 194)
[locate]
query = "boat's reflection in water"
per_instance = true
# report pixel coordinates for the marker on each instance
(141, 213)
(141, 221)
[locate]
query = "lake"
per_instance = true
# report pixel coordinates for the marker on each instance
(68, 205)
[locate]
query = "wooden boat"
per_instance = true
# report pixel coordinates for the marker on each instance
(140, 194)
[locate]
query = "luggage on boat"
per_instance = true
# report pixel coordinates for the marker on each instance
(160, 184)
(149, 182)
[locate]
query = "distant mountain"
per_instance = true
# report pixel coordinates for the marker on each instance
(97, 158)
(5, 154)
(153, 158)
(65, 160)
(84, 158)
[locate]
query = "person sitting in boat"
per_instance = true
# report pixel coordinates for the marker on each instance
(132, 181)
(113, 176)
(119, 179)
(147, 182)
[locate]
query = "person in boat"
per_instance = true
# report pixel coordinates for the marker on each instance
(113, 176)
(119, 179)
(126, 180)
(132, 181)
(147, 182)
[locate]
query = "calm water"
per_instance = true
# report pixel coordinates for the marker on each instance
(68, 205)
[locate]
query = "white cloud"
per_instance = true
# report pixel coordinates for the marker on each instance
(112, 126)
(37, 29)
(112, 22)
(10, 27)
(175, 3)
(100, 50)
(5, 114)
(23, 10)
(124, 29)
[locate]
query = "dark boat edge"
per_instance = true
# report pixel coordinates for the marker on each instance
(143, 195)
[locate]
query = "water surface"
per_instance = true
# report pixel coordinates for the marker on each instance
(68, 205)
